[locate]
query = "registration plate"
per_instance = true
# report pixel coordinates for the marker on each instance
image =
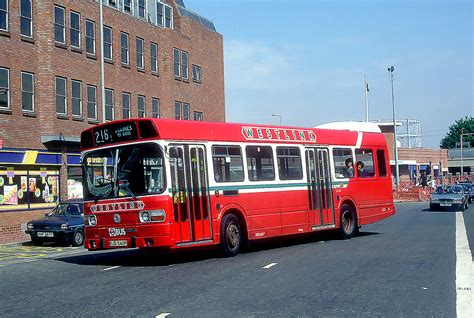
(45, 234)
(118, 243)
(445, 204)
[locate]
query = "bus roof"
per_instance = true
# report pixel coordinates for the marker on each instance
(185, 130)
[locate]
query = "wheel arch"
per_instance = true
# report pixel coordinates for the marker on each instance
(238, 211)
(351, 203)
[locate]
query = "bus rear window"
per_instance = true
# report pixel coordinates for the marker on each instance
(381, 163)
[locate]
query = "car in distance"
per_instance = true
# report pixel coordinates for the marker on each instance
(65, 224)
(449, 196)
(469, 189)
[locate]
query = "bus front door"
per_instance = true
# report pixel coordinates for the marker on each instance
(318, 170)
(189, 184)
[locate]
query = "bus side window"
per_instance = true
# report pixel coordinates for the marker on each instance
(381, 163)
(343, 163)
(228, 163)
(289, 163)
(260, 163)
(364, 163)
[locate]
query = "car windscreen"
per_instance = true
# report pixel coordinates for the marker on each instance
(66, 209)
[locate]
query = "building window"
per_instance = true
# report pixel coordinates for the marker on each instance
(59, 22)
(164, 15)
(141, 8)
(186, 111)
(155, 108)
(4, 15)
(184, 65)
(154, 57)
(140, 61)
(126, 97)
(76, 93)
(168, 17)
(198, 116)
(27, 92)
(90, 37)
(177, 62)
(141, 106)
(107, 42)
(124, 48)
(4, 88)
(127, 6)
(197, 74)
(75, 31)
(177, 110)
(61, 98)
(112, 3)
(26, 25)
(109, 104)
(91, 102)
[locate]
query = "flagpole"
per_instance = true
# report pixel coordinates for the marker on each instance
(366, 88)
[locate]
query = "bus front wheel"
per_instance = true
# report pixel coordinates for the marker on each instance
(231, 235)
(348, 226)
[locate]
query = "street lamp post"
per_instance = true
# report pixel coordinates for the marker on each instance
(461, 139)
(279, 117)
(397, 173)
(102, 81)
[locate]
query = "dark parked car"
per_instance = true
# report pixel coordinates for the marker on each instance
(449, 196)
(65, 224)
(469, 189)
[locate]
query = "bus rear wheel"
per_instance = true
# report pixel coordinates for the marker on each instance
(231, 235)
(348, 226)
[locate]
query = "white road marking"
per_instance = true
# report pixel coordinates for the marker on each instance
(163, 315)
(269, 265)
(464, 272)
(110, 268)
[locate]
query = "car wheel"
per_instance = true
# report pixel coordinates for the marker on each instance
(231, 235)
(78, 238)
(348, 225)
(432, 207)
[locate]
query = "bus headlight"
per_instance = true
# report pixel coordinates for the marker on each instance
(92, 220)
(144, 216)
(152, 216)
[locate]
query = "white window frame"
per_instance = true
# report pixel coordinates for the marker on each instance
(153, 113)
(111, 44)
(197, 79)
(162, 23)
(95, 101)
(188, 106)
(74, 98)
(113, 5)
(171, 17)
(76, 30)
(180, 115)
(145, 9)
(64, 97)
(88, 37)
(131, 7)
(177, 62)
(142, 54)
(63, 26)
(129, 105)
(184, 67)
(125, 48)
(8, 88)
(32, 110)
(113, 104)
(6, 16)
(141, 97)
(30, 19)
(154, 59)
(195, 113)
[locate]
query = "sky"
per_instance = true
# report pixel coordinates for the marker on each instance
(306, 60)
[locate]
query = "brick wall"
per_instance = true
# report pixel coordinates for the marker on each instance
(13, 225)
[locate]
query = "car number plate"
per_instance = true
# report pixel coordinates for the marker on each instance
(118, 243)
(445, 204)
(45, 234)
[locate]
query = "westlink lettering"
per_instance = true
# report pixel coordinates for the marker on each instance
(122, 206)
(263, 133)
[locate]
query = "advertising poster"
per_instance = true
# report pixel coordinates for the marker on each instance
(10, 194)
(24, 183)
(32, 185)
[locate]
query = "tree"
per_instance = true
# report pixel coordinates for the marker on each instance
(452, 138)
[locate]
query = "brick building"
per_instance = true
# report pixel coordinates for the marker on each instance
(161, 60)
